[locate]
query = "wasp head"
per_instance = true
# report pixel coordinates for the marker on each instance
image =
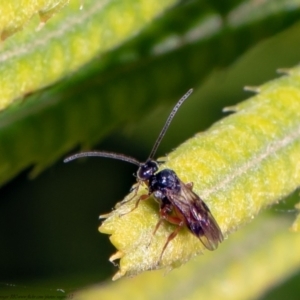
(147, 169)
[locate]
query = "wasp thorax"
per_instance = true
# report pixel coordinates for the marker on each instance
(165, 180)
(147, 169)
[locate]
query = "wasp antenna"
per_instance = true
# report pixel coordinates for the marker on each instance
(104, 154)
(168, 122)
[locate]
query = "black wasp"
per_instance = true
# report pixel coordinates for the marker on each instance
(178, 204)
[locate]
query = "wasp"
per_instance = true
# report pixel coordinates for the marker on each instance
(178, 203)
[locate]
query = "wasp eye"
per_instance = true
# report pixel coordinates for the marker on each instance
(147, 169)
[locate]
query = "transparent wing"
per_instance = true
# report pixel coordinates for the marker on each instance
(197, 216)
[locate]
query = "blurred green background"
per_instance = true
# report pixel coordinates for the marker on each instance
(48, 225)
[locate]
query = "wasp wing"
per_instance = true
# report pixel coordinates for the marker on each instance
(197, 215)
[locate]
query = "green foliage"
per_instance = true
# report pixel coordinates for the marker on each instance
(117, 66)
(15, 14)
(240, 165)
(240, 269)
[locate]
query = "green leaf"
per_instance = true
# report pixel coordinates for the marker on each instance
(92, 102)
(246, 264)
(15, 14)
(46, 56)
(111, 85)
(242, 164)
(35, 59)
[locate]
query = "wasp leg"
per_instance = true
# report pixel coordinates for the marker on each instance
(164, 210)
(154, 231)
(135, 188)
(142, 197)
(165, 215)
(170, 238)
(119, 204)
